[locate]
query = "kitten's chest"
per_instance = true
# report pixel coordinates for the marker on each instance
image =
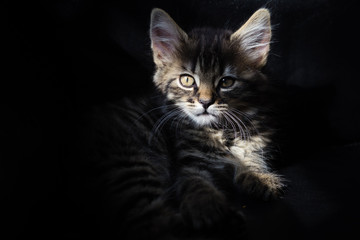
(221, 145)
(206, 138)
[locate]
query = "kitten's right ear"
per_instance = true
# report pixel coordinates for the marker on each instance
(253, 38)
(166, 37)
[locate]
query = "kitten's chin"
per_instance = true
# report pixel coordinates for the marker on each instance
(203, 119)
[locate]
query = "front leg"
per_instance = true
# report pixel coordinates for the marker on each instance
(253, 172)
(264, 184)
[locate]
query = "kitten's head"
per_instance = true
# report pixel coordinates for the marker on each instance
(209, 72)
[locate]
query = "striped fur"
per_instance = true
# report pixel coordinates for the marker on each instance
(167, 161)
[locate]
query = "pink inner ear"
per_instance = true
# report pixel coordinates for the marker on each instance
(165, 36)
(264, 43)
(257, 46)
(161, 33)
(163, 41)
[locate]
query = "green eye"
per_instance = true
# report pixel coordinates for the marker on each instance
(187, 81)
(226, 82)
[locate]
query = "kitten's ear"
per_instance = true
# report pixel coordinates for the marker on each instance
(166, 36)
(253, 38)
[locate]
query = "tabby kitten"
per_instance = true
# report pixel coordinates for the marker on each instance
(169, 160)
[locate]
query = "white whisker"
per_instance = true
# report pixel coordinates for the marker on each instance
(179, 119)
(248, 119)
(152, 110)
(236, 121)
(162, 121)
(231, 123)
(245, 130)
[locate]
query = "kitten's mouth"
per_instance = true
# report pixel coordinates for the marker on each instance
(205, 118)
(202, 118)
(205, 113)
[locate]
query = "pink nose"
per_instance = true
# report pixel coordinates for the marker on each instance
(206, 102)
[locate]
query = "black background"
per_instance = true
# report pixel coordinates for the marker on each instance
(59, 57)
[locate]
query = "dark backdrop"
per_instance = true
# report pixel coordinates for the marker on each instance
(59, 57)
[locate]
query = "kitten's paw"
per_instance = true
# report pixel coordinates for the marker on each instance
(265, 185)
(207, 210)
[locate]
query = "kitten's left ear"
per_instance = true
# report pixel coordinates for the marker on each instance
(253, 38)
(166, 37)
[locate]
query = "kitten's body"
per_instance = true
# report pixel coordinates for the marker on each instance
(170, 159)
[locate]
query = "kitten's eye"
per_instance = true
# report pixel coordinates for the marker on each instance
(187, 81)
(226, 82)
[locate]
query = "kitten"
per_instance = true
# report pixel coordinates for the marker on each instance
(171, 159)
(212, 77)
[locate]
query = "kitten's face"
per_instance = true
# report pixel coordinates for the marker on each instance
(205, 83)
(207, 73)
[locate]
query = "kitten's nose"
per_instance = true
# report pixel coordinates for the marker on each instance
(206, 102)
